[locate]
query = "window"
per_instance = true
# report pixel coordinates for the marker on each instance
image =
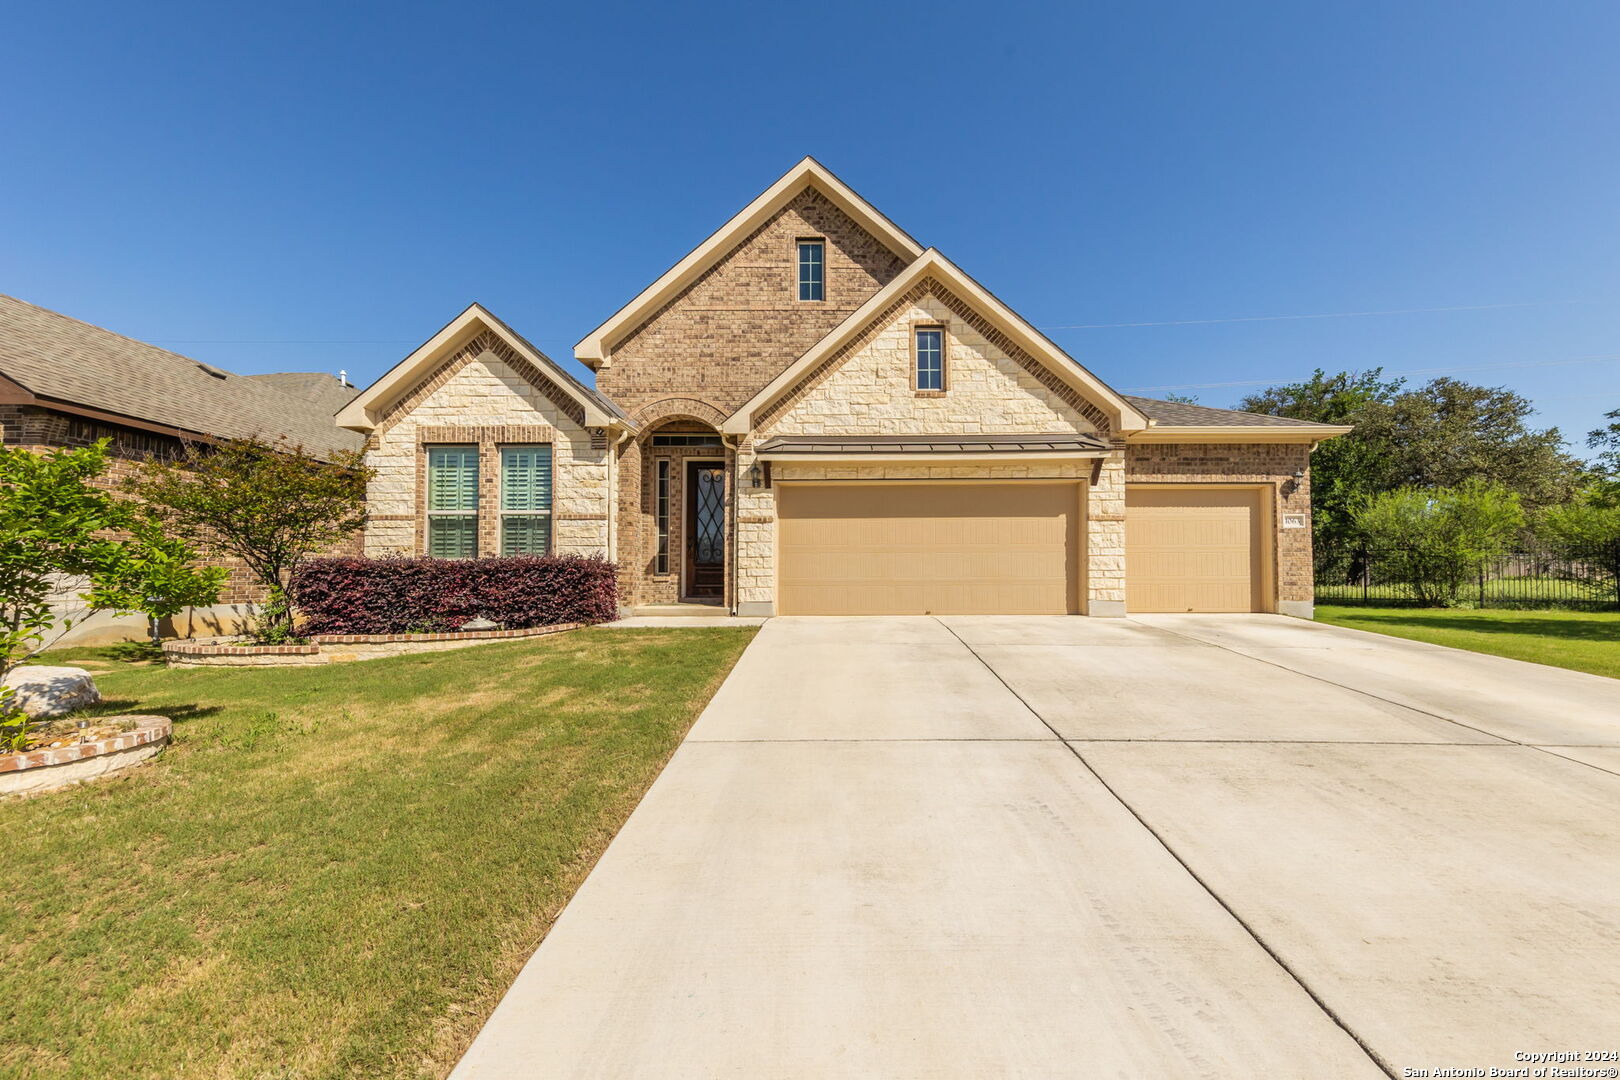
(686, 440)
(452, 502)
(661, 565)
(812, 267)
(525, 500)
(931, 358)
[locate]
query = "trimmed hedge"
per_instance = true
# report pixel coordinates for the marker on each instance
(404, 596)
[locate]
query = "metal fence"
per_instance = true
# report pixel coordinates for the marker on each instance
(1581, 579)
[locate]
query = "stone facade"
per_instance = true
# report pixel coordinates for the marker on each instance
(485, 395)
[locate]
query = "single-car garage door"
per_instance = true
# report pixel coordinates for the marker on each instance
(936, 548)
(1193, 549)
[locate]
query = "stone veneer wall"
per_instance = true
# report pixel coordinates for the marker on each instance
(480, 398)
(1270, 464)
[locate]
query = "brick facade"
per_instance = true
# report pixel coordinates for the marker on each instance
(740, 324)
(1269, 465)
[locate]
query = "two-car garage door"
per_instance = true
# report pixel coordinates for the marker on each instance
(1010, 549)
(929, 548)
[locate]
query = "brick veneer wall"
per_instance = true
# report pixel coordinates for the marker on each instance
(1270, 464)
(38, 429)
(738, 325)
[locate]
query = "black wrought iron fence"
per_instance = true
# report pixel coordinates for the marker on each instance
(1582, 578)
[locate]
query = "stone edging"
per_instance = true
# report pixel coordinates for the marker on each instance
(147, 738)
(339, 648)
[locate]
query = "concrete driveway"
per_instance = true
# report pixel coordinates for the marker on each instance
(1165, 846)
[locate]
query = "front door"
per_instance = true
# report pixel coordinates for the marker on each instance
(705, 530)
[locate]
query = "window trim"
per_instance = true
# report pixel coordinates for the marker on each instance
(661, 517)
(549, 512)
(464, 513)
(799, 244)
(917, 330)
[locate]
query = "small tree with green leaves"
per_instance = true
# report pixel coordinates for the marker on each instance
(271, 505)
(1437, 540)
(56, 529)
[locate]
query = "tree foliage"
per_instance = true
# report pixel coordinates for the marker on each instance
(271, 505)
(1606, 441)
(1437, 539)
(58, 528)
(1438, 435)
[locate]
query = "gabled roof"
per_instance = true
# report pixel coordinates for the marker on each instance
(56, 359)
(1179, 421)
(593, 348)
(931, 264)
(363, 413)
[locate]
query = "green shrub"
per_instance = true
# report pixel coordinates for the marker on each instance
(1437, 539)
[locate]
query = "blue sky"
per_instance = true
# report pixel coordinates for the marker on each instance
(321, 186)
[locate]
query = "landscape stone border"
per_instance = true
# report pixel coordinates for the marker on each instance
(339, 648)
(46, 770)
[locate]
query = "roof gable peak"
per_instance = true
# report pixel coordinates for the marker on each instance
(594, 350)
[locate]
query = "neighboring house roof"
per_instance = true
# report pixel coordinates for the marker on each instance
(931, 264)
(57, 359)
(368, 407)
(1181, 421)
(1067, 443)
(325, 391)
(594, 347)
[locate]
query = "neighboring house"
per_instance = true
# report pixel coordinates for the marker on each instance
(811, 413)
(66, 383)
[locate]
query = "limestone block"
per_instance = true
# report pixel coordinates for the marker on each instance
(45, 692)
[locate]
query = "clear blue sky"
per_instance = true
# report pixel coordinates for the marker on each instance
(303, 186)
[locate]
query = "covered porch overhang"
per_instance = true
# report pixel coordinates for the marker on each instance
(921, 449)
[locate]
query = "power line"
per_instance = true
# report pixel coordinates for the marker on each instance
(1609, 358)
(1327, 315)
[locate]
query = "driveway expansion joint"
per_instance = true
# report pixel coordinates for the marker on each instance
(1254, 934)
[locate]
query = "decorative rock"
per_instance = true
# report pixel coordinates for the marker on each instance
(48, 692)
(479, 623)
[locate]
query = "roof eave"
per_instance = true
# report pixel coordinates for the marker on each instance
(1238, 433)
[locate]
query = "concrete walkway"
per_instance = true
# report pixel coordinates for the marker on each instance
(1174, 846)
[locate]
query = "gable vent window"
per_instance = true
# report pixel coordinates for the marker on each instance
(452, 497)
(931, 358)
(525, 500)
(812, 269)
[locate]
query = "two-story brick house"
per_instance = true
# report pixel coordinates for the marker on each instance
(811, 413)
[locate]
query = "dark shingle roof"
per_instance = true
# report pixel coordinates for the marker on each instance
(931, 444)
(66, 360)
(316, 387)
(1179, 414)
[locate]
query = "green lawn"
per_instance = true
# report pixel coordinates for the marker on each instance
(334, 871)
(1582, 640)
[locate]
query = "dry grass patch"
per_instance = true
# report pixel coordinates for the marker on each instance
(334, 871)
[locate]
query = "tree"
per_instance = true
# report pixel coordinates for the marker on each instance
(271, 505)
(56, 527)
(1436, 540)
(1437, 435)
(1606, 441)
(1343, 470)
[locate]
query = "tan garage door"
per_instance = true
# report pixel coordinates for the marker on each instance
(917, 549)
(1193, 549)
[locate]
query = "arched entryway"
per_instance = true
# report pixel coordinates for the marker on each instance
(683, 520)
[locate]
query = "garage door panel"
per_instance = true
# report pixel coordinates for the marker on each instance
(927, 548)
(1193, 549)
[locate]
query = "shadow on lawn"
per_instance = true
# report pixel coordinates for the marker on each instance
(178, 713)
(1599, 630)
